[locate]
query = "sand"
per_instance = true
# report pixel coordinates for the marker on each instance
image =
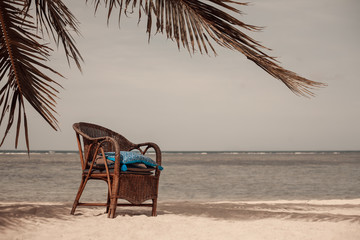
(337, 219)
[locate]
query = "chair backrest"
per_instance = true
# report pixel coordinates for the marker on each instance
(92, 134)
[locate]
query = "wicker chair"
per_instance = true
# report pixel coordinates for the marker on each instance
(135, 188)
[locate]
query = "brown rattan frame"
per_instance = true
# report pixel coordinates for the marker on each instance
(135, 188)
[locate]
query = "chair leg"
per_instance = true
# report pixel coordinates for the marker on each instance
(112, 209)
(154, 214)
(78, 195)
(108, 203)
(113, 198)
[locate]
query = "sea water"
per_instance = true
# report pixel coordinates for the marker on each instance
(210, 176)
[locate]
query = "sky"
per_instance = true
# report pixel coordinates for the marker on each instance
(154, 92)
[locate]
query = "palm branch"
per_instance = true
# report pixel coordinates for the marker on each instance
(54, 18)
(23, 60)
(195, 25)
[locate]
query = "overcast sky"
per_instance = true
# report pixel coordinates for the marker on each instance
(153, 92)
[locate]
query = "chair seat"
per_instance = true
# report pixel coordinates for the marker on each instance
(131, 169)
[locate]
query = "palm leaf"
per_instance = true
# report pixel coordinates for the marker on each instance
(21, 58)
(54, 18)
(195, 25)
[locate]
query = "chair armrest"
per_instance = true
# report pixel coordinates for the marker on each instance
(149, 145)
(115, 144)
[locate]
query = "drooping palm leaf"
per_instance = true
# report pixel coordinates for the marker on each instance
(22, 59)
(195, 24)
(53, 17)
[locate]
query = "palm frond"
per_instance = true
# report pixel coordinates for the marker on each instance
(195, 25)
(21, 58)
(54, 18)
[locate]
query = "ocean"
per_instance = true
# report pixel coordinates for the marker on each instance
(192, 176)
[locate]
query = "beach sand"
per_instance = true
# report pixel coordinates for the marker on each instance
(337, 219)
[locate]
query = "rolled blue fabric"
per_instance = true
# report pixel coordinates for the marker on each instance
(130, 158)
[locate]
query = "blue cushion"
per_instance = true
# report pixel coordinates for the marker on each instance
(130, 158)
